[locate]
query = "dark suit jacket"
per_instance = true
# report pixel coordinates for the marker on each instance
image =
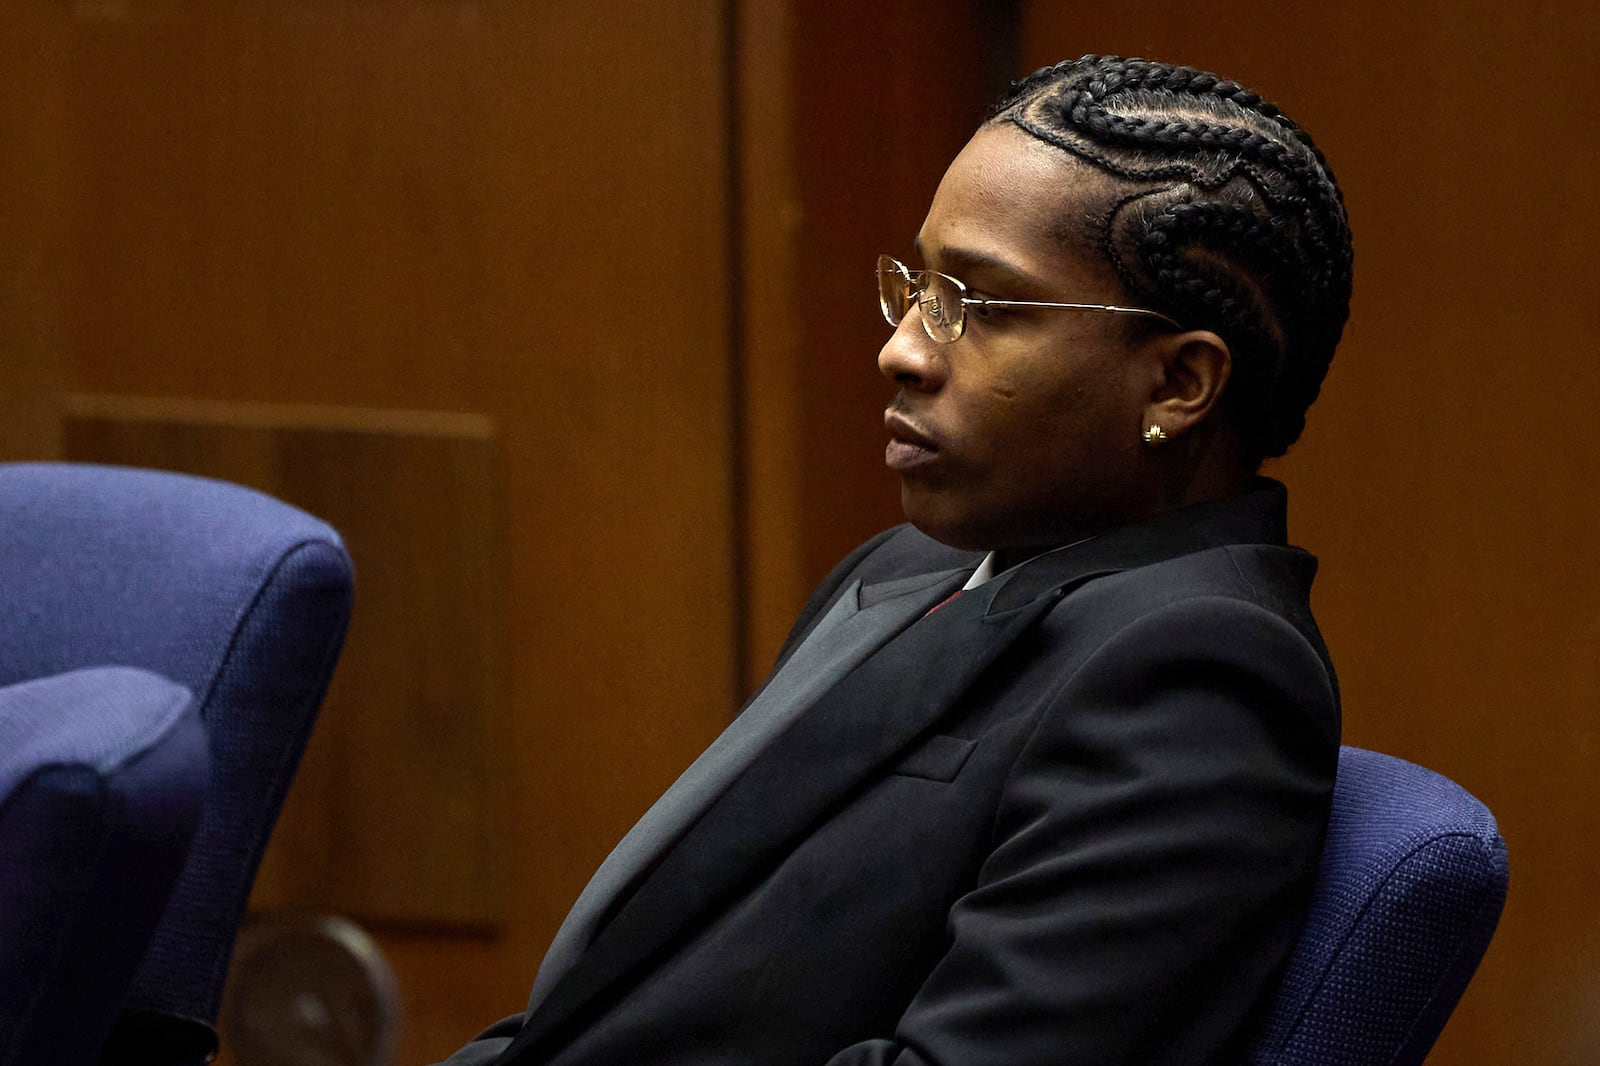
(1070, 817)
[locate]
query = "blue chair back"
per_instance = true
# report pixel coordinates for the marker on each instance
(238, 597)
(1411, 885)
(103, 774)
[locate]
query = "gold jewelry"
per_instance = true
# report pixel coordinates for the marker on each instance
(1155, 436)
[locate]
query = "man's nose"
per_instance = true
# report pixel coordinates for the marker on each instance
(912, 358)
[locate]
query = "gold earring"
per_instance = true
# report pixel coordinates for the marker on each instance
(1155, 436)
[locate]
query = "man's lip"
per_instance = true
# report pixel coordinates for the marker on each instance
(901, 429)
(908, 446)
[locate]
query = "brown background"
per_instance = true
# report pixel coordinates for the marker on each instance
(561, 311)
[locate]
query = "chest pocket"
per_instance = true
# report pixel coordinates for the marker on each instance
(939, 758)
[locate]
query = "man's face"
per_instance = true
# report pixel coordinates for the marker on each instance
(1023, 434)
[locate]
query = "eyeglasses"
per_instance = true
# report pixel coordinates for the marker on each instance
(943, 300)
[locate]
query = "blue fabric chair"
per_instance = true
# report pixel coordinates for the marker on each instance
(102, 777)
(238, 597)
(1411, 885)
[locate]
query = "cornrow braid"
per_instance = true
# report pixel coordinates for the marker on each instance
(1221, 213)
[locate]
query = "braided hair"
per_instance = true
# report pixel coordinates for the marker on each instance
(1222, 214)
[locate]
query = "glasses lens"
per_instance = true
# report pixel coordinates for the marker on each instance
(940, 302)
(894, 289)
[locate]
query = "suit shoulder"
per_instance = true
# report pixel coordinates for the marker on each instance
(1272, 576)
(1238, 592)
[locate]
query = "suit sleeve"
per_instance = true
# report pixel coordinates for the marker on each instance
(1151, 855)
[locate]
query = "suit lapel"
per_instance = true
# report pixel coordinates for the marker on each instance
(830, 750)
(868, 596)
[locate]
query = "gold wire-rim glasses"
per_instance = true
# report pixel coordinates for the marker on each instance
(935, 294)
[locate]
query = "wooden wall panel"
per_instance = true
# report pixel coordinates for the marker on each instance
(32, 78)
(391, 817)
(279, 203)
(518, 212)
(1443, 479)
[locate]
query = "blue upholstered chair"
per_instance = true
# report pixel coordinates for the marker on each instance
(1412, 881)
(232, 594)
(102, 777)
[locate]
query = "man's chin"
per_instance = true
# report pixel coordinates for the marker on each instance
(939, 522)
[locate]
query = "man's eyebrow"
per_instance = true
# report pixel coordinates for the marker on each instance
(961, 261)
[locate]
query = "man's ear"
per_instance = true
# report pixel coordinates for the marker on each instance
(1194, 369)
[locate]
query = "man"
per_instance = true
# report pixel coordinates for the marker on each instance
(1070, 814)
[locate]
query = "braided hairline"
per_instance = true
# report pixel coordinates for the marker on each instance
(1108, 76)
(1186, 130)
(1181, 172)
(1086, 151)
(1141, 73)
(1138, 132)
(1144, 74)
(1243, 251)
